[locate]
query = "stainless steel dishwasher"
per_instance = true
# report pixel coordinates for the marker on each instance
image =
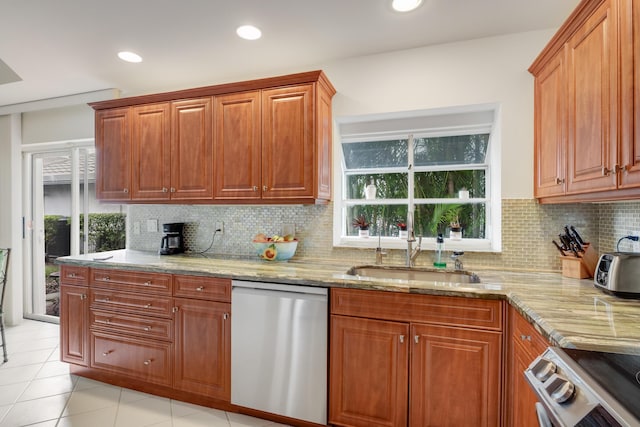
(279, 349)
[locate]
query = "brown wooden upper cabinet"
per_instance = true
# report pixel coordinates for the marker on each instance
(266, 141)
(587, 145)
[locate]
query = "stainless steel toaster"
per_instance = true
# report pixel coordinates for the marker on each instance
(618, 273)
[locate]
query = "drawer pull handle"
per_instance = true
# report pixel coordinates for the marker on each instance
(147, 362)
(200, 288)
(525, 337)
(104, 300)
(107, 321)
(147, 328)
(106, 278)
(106, 353)
(147, 283)
(71, 275)
(147, 305)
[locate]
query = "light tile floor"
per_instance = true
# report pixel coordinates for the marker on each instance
(36, 389)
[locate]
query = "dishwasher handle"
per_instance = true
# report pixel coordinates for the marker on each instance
(314, 290)
(239, 291)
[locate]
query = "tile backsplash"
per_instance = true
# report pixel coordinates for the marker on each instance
(527, 231)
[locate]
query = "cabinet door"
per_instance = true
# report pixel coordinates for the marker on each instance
(74, 324)
(630, 93)
(368, 365)
(113, 154)
(525, 344)
(191, 149)
(150, 140)
(287, 142)
(237, 146)
(550, 133)
(592, 111)
(455, 376)
(203, 348)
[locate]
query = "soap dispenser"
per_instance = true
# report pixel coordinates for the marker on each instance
(438, 260)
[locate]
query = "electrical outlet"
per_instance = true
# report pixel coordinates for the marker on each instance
(220, 226)
(635, 245)
(136, 227)
(152, 226)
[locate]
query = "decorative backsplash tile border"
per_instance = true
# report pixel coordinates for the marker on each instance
(527, 231)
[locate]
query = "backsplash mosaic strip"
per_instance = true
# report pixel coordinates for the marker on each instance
(527, 228)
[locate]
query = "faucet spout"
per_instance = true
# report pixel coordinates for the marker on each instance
(412, 253)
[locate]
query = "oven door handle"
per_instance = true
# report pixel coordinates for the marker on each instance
(543, 418)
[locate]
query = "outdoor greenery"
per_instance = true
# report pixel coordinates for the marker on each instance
(443, 167)
(106, 230)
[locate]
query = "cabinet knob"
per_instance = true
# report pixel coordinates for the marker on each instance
(175, 309)
(626, 169)
(401, 339)
(200, 288)
(107, 321)
(559, 181)
(147, 328)
(264, 188)
(147, 362)
(416, 338)
(83, 296)
(225, 316)
(165, 190)
(105, 299)
(606, 171)
(147, 283)
(106, 353)
(147, 305)
(106, 278)
(173, 190)
(525, 337)
(125, 190)
(71, 275)
(255, 188)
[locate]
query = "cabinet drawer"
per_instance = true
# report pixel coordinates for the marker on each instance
(525, 334)
(131, 303)
(443, 310)
(146, 360)
(131, 281)
(72, 275)
(209, 288)
(145, 327)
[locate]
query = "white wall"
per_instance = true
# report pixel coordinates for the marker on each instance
(490, 70)
(58, 124)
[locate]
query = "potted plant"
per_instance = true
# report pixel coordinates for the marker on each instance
(402, 227)
(361, 223)
(456, 230)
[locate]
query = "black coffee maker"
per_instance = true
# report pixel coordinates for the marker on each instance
(173, 239)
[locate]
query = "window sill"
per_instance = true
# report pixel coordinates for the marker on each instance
(467, 245)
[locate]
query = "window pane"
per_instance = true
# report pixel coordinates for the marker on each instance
(446, 150)
(383, 218)
(446, 184)
(433, 219)
(375, 154)
(388, 185)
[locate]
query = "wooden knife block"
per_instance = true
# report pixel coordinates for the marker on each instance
(580, 268)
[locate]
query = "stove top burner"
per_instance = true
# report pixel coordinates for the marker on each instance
(618, 374)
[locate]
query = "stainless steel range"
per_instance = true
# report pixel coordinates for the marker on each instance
(586, 388)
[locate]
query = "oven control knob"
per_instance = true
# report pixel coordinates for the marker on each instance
(563, 392)
(544, 369)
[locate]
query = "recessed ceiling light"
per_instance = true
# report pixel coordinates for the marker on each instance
(405, 5)
(249, 32)
(129, 56)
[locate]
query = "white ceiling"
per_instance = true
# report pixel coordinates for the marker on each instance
(63, 47)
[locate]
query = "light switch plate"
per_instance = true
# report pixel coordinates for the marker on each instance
(152, 226)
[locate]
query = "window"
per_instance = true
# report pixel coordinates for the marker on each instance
(438, 167)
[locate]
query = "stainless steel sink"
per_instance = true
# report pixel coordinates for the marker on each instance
(413, 273)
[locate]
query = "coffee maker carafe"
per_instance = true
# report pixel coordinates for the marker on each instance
(173, 239)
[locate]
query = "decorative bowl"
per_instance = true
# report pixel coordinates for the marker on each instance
(276, 251)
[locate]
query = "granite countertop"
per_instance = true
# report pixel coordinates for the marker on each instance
(571, 313)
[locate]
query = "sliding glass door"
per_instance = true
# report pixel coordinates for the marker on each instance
(63, 218)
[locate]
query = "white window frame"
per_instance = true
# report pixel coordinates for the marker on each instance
(493, 241)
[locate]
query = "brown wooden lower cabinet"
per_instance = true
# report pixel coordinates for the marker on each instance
(392, 373)
(525, 344)
(74, 324)
(203, 348)
(369, 361)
